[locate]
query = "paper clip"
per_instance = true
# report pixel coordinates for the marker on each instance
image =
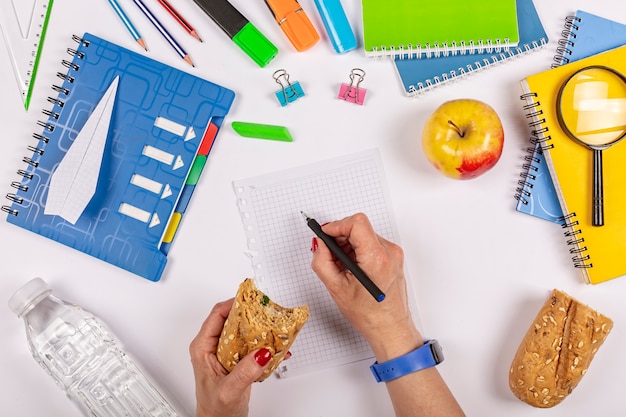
(289, 92)
(351, 92)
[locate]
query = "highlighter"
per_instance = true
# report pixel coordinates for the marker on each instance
(294, 22)
(240, 30)
(337, 26)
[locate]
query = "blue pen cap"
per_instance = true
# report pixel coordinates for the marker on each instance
(337, 26)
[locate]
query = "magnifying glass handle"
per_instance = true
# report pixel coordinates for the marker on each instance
(598, 194)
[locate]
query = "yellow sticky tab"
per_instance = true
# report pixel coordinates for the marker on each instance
(172, 227)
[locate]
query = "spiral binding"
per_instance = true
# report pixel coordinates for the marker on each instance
(525, 184)
(566, 43)
(540, 138)
(500, 55)
(48, 126)
(438, 50)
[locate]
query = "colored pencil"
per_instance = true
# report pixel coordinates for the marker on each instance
(180, 19)
(129, 25)
(169, 38)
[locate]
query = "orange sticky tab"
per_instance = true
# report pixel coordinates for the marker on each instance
(172, 227)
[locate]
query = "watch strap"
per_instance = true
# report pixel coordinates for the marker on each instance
(425, 356)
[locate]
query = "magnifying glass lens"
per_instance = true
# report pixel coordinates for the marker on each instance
(593, 106)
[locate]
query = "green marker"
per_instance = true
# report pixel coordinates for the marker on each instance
(261, 131)
(240, 30)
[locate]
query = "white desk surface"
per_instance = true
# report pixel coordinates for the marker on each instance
(480, 270)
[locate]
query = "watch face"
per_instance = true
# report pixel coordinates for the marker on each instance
(437, 352)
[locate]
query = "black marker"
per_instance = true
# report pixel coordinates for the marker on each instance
(336, 250)
(240, 30)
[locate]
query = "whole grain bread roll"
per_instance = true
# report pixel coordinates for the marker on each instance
(256, 322)
(557, 350)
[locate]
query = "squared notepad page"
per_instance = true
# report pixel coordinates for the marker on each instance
(419, 75)
(598, 252)
(152, 135)
(279, 242)
(584, 34)
(393, 27)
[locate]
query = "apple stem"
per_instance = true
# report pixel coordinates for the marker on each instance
(458, 129)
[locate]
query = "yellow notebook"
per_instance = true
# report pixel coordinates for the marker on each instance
(599, 251)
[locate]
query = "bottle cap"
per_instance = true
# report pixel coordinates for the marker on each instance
(255, 44)
(29, 294)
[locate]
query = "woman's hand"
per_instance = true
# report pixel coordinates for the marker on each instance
(386, 325)
(218, 393)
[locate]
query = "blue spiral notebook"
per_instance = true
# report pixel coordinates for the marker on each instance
(585, 34)
(119, 156)
(419, 75)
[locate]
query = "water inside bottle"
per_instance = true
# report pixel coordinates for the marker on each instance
(96, 374)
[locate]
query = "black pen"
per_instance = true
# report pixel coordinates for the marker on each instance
(344, 258)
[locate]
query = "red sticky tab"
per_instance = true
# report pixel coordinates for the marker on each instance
(208, 139)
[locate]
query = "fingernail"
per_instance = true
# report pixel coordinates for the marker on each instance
(325, 223)
(313, 245)
(288, 355)
(263, 356)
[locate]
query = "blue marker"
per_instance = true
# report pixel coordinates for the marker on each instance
(337, 26)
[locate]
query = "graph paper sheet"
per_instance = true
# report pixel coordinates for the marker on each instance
(279, 242)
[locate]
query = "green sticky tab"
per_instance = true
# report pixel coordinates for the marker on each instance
(255, 44)
(261, 131)
(196, 169)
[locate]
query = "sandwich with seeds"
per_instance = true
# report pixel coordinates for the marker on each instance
(557, 350)
(255, 322)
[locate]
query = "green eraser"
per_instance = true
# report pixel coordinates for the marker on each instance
(255, 44)
(261, 131)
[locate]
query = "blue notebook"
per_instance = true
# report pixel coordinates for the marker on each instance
(585, 34)
(419, 75)
(119, 156)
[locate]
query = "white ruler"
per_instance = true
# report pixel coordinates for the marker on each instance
(23, 24)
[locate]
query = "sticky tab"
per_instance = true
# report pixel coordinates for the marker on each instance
(262, 131)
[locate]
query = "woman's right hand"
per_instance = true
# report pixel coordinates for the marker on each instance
(386, 325)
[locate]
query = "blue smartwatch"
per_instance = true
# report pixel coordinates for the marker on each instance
(425, 356)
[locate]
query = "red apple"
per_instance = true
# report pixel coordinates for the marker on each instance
(463, 138)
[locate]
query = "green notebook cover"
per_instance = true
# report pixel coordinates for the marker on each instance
(397, 27)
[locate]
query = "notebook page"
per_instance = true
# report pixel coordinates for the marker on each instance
(279, 242)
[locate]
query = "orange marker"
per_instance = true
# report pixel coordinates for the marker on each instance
(294, 22)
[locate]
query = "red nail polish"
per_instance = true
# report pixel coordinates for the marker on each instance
(263, 356)
(313, 245)
(325, 223)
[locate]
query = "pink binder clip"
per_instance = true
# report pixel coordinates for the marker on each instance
(351, 92)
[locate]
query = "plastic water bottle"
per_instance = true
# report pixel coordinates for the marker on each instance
(81, 355)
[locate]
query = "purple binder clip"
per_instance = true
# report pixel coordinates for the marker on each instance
(352, 92)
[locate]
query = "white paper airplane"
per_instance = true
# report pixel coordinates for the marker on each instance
(73, 183)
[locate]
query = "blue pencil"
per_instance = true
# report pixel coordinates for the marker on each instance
(169, 38)
(129, 25)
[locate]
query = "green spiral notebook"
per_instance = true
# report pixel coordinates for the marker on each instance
(396, 27)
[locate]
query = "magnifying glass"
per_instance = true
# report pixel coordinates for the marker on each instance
(591, 108)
